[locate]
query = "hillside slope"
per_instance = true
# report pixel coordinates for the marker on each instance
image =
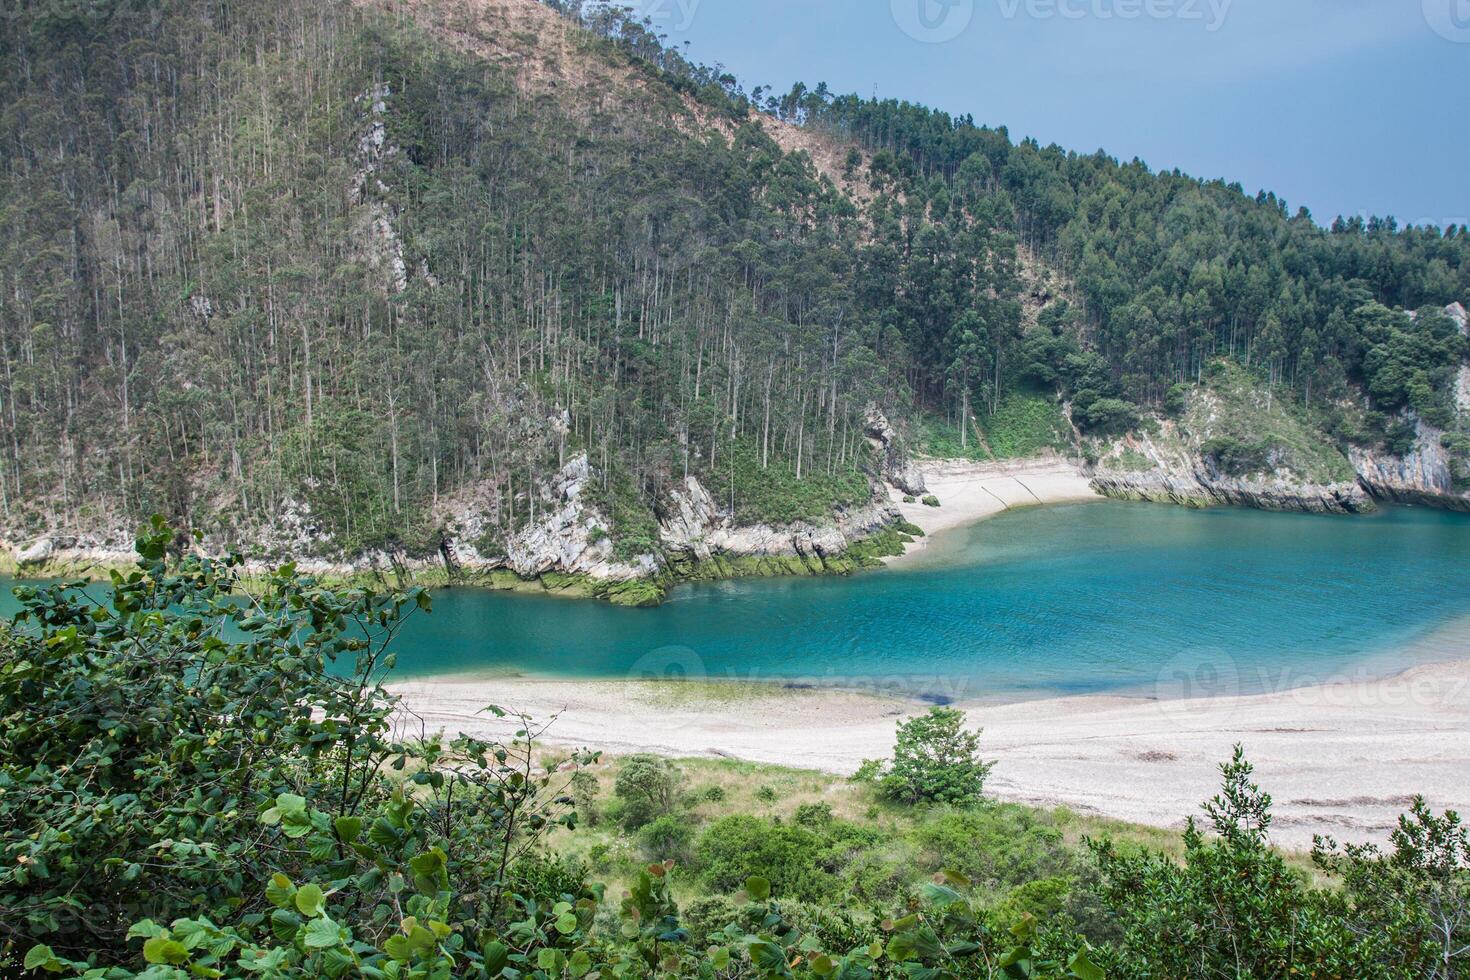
(509, 291)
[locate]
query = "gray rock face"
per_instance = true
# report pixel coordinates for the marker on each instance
(1190, 491)
(898, 469)
(377, 231)
(1424, 474)
(572, 537)
(37, 554)
(696, 527)
(1174, 472)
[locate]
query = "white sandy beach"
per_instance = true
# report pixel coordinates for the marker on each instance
(970, 492)
(1342, 758)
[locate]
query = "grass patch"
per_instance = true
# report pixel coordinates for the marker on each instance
(774, 494)
(1254, 433)
(1025, 423)
(836, 842)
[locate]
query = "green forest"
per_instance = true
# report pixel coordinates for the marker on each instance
(274, 257)
(222, 787)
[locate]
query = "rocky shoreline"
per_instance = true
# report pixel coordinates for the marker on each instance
(1190, 491)
(567, 551)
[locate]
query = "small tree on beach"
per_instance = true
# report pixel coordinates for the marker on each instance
(936, 760)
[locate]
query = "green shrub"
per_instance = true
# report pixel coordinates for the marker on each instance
(733, 848)
(1000, 846)
(1176, 400)
(814, 814)
(935, 760)
(1237, 458)
(585, 787)
(648, 787)
(1233, 907)
(766, 794)
(546, 877)
(668, 838)
(930, 500)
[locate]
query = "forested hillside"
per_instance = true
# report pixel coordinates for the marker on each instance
(329, 278)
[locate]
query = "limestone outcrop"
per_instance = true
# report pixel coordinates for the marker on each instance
(898, 468)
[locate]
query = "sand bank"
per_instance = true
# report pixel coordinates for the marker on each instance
(1341, 758)
(970, 492)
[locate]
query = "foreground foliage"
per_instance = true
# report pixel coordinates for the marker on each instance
(195, 783)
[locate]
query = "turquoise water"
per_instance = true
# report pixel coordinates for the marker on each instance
(1088, 598)
(1105, 597)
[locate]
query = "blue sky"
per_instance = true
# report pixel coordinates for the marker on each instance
(1344, 106)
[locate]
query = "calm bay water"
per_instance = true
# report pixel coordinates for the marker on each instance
(1100, 597)
(1087, 598)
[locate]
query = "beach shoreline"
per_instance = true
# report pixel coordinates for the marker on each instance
(971, 492)
(1342, 758)
(1343, 755)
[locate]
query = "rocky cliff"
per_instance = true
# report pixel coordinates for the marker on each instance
(567, 547)
(1234, 444)
(1164, 469)
(1427, 473)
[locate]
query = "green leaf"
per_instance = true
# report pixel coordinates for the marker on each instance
(165, 951)
(900, 948)
(321, 934)
(41, 957)
(280, 892)
(758, 888)
(1083, 968)
(397, 947)
(580, 964)
(310, 901)
(566, 923)
(496, 956)
(285, 924)
(550, 960)
(767, 956)
(348, 828)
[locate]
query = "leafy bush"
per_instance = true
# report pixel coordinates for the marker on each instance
(935, 760)
(930, 500)
(1233, 908)
(648, 787)
(668, 838)
(735, 847)
(1236, 458)
(999, 846)
(585, 787)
